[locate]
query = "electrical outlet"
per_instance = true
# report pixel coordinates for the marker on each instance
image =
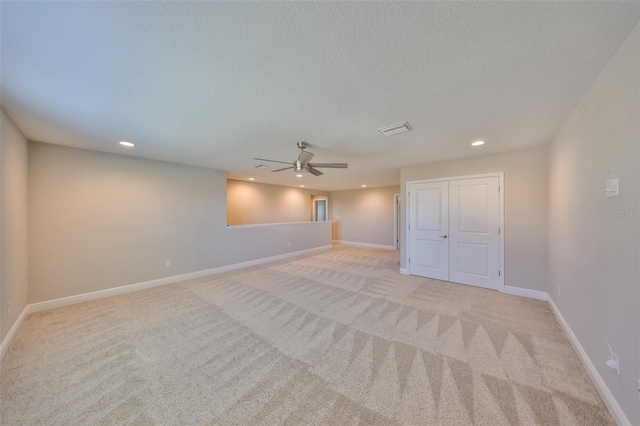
(614, 360)
(167, 264)
(288, 244)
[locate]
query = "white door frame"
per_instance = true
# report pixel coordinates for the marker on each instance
(315, 209)
(499, 175)
(396, 218)
(315, 198)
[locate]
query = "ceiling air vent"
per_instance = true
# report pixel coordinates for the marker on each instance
(395, 129)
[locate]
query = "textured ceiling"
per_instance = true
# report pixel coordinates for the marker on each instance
(215, 84)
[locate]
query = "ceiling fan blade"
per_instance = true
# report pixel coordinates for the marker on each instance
(279, 170)
(330, 165)
(273, 161)
(315, 172)
(305, 157)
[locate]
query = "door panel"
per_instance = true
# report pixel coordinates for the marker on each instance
(475, 259)
(428, 227)
(430, 208)
(428, 254)
(474, 212)
(474, 199)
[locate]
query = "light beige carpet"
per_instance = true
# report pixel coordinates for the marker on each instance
(335, 338)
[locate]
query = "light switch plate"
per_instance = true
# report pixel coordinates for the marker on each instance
(612, 188)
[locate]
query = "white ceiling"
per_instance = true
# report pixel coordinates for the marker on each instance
(215, 84)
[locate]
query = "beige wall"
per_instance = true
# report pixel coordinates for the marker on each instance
(98, 221)
(253, 203)
(364, 215)
(525, 207)
(13, 229)
(593, 253)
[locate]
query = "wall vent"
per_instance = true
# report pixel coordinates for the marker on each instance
(394, 129)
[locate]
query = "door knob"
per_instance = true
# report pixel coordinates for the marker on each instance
(443, 236)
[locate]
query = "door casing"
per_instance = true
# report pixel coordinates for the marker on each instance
(406, 243)
(396, 221)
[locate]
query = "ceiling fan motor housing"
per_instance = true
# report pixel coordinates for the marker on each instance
(303, 163)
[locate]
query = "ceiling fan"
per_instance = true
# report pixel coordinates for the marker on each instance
(302, 164)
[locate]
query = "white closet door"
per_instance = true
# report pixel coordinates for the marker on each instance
(428, 229)
(474, 239)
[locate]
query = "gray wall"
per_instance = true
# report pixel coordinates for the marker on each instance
(525, 207)
(13, 219)
(594, 255)
(98, 221)
(253, 203)
(364, 215)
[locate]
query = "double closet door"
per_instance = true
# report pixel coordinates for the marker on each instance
(455, 230)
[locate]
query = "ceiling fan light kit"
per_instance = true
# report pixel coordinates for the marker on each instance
(303, 164)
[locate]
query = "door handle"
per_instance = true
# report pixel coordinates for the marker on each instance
(443, 236)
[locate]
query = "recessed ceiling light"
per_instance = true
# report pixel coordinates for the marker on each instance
(252, 178)
(301, 186)
(477, 143)
(298, 175)
(394, 129)
(127, 144)
(364, 186)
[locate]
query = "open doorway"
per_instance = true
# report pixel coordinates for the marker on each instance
(396, 220)
(319, 208)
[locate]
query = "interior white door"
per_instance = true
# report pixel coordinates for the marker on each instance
(428, 229)
(474, 232)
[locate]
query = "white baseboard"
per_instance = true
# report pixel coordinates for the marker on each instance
(525, 292)
(404, 271)
(601, 386)
(366, 245)
(13, 330)
(71, 300)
